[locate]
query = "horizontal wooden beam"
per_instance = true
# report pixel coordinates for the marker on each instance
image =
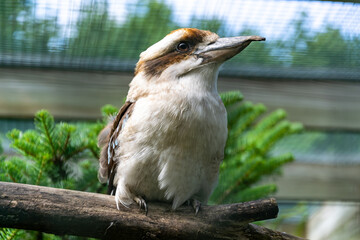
(319, 182)
(317, 104)
(69, 212)
(80, 95)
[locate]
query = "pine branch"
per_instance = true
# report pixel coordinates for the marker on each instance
(256, 192)
(8, 234)
(42, 118)
(94, 153)
(25, 143)
(12, 178)
(66, 142)
(77, 151)
(247, 150)
(108, 110)
(246, 120)
(237, 111)
(231, 97)
(239, 177)
(42, 166)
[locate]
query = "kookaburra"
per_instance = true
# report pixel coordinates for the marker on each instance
(167, 141)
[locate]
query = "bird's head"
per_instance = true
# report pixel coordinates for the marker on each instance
(186, 58)
(187, 49)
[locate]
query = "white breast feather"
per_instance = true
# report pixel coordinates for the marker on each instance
(173, 143)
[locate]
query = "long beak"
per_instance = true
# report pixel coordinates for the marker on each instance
(225, 48)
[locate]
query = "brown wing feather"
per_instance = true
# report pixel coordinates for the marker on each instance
(108, 141)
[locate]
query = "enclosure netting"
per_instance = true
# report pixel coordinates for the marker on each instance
(305, 39)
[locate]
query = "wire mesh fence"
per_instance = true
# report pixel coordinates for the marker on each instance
(305, 39)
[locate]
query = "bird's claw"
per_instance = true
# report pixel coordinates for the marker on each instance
(142, 204)
(196, 204)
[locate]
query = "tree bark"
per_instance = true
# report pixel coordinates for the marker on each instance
(67, 212)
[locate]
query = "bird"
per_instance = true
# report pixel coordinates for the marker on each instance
(167, 141)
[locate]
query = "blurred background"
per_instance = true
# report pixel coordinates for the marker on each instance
(73, 56)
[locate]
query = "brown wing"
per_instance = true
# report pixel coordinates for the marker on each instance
(108, 141)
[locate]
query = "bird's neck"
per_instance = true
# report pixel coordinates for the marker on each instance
(201, 79)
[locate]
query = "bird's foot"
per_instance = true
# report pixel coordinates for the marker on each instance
(196, 204)
(142, 204)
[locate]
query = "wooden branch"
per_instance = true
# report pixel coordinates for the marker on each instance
(85, 214)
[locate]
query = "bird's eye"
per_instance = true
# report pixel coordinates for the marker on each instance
(182, 47)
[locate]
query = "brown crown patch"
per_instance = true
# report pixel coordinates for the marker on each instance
(193, 35)
(154, 67)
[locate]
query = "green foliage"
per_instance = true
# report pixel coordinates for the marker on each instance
(257, 53)
(154, 14)
(247, 159)
(328, 48)
(94, 23)
(231, 97)
(214, 25)
(7, 233)
(53, 154)
(1, 147)
(19, 29)
(98, 35)
(108, 110)
(19, 170)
